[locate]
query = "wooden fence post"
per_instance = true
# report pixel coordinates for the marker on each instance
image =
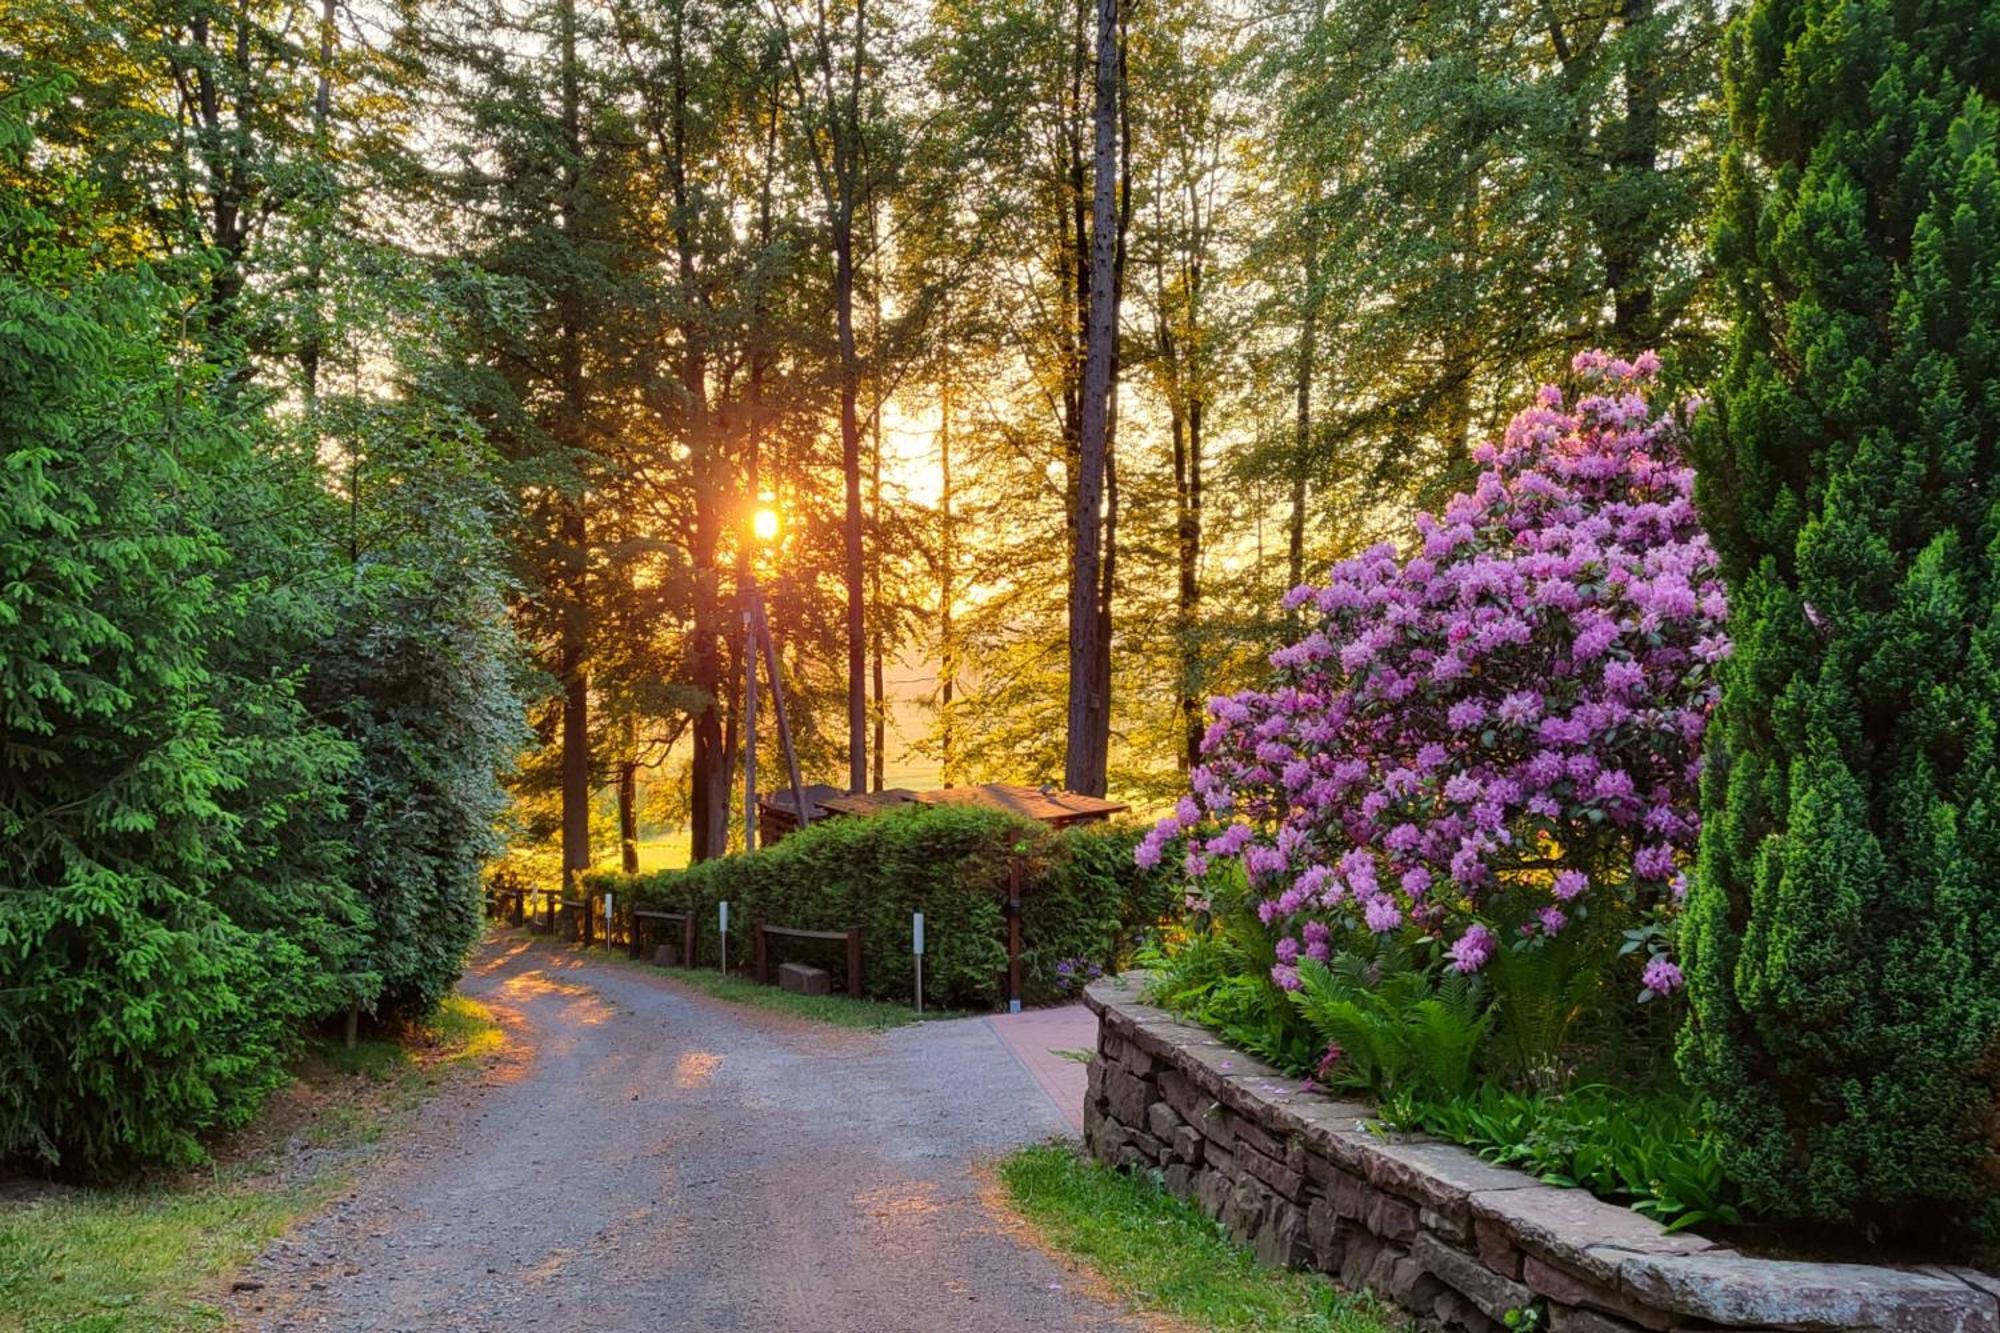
(1014, 936)
(854, 961)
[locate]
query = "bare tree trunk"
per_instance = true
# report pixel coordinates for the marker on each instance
(1084, 767)
(572, 665)
(1626, 246)
(880, 709)
(628, 800)
(947, 591)
(1302, 380)
(709, 773)
(847, 169)
(312, 346)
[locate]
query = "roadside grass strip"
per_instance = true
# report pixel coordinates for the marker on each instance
(1163, 1256)
(153, 1256)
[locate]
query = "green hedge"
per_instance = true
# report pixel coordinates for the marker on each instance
(1083, 898)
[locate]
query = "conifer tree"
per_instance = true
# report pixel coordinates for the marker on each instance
(1843, 937)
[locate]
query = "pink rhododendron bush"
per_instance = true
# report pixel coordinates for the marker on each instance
(1491, 737)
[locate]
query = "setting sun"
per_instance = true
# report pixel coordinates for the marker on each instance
(765, 524)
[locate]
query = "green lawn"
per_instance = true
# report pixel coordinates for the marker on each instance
(152, 1256)
(1164, 1256)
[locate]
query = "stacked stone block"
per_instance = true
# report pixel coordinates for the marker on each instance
(1454, 1240)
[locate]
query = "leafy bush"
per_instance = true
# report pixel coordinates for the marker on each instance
(1390, 1027)
(1494, 740)
(1488, 748)
(1646, 1149)
(1441, 858)
(244, 782)
(416, 675)
(1843, 937)
(1081, 898)
(170, 904)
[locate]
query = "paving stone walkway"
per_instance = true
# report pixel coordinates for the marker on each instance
(653, 1159)
(1047, 1042)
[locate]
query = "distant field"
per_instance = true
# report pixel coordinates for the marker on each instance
(668, 851)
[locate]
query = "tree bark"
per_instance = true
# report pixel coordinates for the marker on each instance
(1626, 245)
(879, 710)
(1302, 389)
(628, 800)
(947, 591)
(709, 772)
(1084, 766)
(573, 667)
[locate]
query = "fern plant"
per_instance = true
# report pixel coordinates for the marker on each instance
(1397, 1028)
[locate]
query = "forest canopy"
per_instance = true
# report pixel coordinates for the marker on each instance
(390, 394)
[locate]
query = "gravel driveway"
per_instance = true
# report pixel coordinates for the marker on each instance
(653, 1159)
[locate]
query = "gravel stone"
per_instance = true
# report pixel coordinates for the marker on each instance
(656, 1160)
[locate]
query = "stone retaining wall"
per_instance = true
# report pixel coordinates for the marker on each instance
(1455, 1240)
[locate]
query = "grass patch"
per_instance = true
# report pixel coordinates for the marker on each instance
(1162, 1255)
(838, 1010)
(152, 1255)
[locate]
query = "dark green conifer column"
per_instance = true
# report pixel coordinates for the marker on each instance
(1842, 936)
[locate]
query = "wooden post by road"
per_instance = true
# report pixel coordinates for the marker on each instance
(1014, 936)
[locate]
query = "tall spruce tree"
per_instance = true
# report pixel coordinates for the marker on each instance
(1843, 937)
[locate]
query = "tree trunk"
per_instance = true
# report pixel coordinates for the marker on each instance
(880, 709)
(708, 799)
(947, 591)
(1627, 245)
(1189, 607)
(1302, 424)
(573, 667)
(628, 801)
(1084, 767)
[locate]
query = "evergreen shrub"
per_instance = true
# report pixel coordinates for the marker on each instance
(1082, 898)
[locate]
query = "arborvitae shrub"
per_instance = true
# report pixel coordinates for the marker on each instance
(1842, 939)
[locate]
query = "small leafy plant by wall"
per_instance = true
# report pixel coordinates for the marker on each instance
(1083, 899)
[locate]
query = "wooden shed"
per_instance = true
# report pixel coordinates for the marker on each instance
(777, 815)
(1057, 809)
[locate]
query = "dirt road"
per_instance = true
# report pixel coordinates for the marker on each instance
(652, 1159)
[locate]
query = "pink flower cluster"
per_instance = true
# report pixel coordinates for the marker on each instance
(1498, 730)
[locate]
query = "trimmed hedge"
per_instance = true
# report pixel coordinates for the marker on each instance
(1082, 897)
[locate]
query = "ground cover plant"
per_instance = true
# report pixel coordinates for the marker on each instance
(1441, 858)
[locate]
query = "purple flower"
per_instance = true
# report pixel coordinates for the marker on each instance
(1473, 950)
(1662, 977)
(1540, 660)
(1383, 915)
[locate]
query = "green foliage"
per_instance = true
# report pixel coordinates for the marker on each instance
(951, 863)
(191, 798)
(169, 911)
(1543, 990)
(1164, 1254)
(1649, 1150)
(417, 675)
(1842, 941)
(1397, 1027)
